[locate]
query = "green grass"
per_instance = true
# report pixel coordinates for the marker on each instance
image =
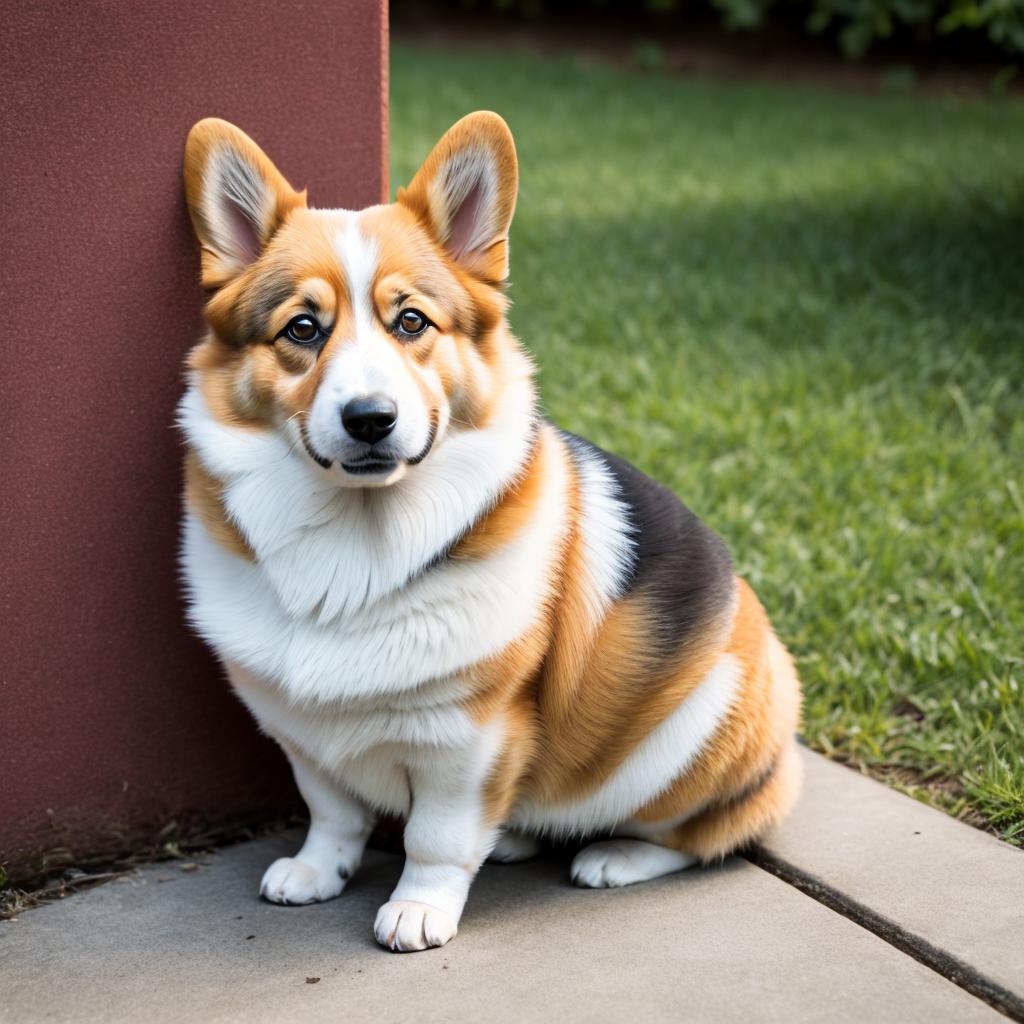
(804, 312)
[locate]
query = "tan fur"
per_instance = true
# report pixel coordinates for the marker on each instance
(203, 142)
(421, 197)
(756, 735)
(204, 496)
(604, 702)
(731, 825)
(516, 507)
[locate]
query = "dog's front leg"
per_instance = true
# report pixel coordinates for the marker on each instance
(447, 837)
(339, 826)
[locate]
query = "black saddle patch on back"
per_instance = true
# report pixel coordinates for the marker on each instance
(678, 560)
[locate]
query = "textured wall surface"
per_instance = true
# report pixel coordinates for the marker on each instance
(113, 719)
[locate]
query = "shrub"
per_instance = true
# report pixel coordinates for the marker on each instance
(859, 23)
(856, 24)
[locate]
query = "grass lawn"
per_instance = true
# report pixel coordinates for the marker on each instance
(804, 312)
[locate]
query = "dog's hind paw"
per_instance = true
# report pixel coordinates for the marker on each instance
(616, 862)
(513, 847)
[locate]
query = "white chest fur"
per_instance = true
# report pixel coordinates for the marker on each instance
(340, 642)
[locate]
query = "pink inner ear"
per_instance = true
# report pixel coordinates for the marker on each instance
(465, 221)
(243, 233)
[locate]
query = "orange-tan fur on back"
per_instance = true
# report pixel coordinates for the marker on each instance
(439, 603)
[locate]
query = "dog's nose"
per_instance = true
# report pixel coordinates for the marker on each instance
(369, 417)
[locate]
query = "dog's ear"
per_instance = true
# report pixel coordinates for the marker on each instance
(465, 194)
(236, 198)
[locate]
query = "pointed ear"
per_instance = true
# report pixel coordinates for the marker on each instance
(236, 198)
(465, 194)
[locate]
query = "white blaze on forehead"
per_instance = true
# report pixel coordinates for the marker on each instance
(358, 255)
(365, 362)
(359, 367)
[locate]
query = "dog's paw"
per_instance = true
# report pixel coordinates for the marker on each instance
(513, 847)
(404, 926)
(292, 883)
(624, 861)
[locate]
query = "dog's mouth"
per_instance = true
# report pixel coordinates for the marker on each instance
(369, 464)
(373, 463)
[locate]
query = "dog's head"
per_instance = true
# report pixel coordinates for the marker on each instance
(370, 336)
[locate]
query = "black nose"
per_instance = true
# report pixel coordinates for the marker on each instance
(370, 417)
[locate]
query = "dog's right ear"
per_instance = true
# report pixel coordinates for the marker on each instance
(465, 194)
(236, 198)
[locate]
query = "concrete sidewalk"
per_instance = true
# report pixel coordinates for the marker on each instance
(734, 943)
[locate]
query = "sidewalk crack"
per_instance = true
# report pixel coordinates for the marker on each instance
(938, 960)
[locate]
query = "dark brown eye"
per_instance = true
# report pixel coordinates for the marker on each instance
(411, 323)
(303, 330)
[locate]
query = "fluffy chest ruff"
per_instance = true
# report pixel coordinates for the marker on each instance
(353, 595)
(352, 631)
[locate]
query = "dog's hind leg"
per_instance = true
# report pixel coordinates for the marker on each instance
(734, 822)
(711, 834)
(614, 862)
(513, 847)
(339, 826)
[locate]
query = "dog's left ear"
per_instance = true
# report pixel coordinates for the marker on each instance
(465, 194)
(236, 198)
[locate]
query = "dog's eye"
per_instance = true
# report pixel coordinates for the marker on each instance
(303, 330)
(411, 323)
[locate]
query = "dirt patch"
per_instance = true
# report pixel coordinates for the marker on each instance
(61, 873)
(57, 873)
(15, 901)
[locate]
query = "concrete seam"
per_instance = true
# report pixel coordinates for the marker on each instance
(938, 960)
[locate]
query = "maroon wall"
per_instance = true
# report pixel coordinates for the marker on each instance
(113, 719)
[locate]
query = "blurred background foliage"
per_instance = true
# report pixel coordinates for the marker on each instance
(855, 25)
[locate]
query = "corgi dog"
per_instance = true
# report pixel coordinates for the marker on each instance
(439, 604)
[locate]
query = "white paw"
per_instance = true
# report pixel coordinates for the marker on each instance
(624, 861)
(512, 847)
(404, 926)
(291, 882)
